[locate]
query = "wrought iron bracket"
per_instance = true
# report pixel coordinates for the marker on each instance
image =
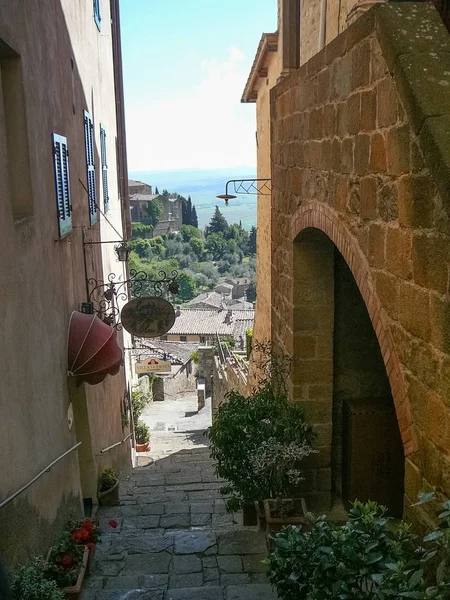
(247, 186)
(104, 297)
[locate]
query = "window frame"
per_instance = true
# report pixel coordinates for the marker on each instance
(90, 166)
(104, 168)
(62, 184)
(97, 14)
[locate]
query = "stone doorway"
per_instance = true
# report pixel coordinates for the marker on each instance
(341, 380)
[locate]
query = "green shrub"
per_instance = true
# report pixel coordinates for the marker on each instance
(370, 557)
(29, 583)
(141, 432)
(139, 401)
(108, 479)
(257, 444)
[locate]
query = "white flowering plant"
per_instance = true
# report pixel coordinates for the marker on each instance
(258, 444)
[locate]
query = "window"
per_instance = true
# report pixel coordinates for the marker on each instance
(90, 166)
(104, 169)
(183, 338)
(202, 339)
(97, 16)
(62, 184)
(163, 338)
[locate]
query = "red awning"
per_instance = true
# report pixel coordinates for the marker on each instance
(92, 349)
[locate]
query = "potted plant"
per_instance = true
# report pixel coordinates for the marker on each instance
(67, 562)
(30, 583)
(142, 434)
(280, 512)
(108, 489)
(257, 444)
(86, 532)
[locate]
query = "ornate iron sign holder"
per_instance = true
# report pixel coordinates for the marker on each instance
(104, 296)
(247, 186)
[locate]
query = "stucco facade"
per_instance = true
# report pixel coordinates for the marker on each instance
(45, 88)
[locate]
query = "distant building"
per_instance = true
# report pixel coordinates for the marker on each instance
(240, 286)
(219, 301)
(140, 197)
(202, 326)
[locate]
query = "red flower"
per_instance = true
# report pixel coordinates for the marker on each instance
(112, 523)
(67, 560)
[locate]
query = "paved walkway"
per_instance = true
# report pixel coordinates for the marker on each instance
(174, 539)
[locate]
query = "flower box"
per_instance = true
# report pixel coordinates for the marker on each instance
(285, 511)
(76, 588)
(110, 497)
(143, 447)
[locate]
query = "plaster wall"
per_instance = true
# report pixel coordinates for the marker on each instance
(42, 277)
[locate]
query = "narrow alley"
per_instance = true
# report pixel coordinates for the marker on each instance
(174, 539)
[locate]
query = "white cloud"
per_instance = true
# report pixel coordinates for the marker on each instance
(203, 127)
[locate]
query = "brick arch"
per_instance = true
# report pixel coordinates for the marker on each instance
(320, 216)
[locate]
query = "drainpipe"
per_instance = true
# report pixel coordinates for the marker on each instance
(323, 24)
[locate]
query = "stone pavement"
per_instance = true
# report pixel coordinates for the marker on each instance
(174, 539)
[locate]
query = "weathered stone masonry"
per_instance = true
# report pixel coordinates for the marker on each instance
(361, 151)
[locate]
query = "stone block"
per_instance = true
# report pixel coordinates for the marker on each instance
(347, 155)
(145, 564)
(416, 201)
(415, 321)
(440, 323)
(431, 261)
(386, 103)
(198, 593)
(174, 521)
(193, 542)
(200, 520)
(253, 563)
(123, 582)
(398, 252)
(241, 542)
(362, 153)
(368, 110)
(387, 287)
(186, 563)
(377, 245)
(229, 563)
(353, 125)
(377, 161)
(368, 198)
(316, 124)
(361, 65)
(413, 480)
(388, 202)
(227, 579)
(398, 145)
(329, 120)
(254, 591)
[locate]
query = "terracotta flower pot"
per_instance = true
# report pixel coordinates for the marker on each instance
(109, 497)
(143, 447)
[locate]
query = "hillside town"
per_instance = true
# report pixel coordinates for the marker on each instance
(218, 410)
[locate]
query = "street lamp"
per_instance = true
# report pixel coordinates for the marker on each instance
(247, 186)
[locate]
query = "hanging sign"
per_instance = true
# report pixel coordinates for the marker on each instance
(154, 365)
(148, 317)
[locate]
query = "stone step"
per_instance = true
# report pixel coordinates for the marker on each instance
(251, 591)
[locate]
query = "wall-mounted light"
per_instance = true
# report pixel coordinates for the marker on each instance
(247, 186)
(122, 251)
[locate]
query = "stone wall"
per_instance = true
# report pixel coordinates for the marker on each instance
(225, 379)
(360, 151)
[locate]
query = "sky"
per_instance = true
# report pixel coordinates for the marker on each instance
(185, 66)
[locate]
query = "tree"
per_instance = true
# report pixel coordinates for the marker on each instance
(197, 246)
(194, 218)
(187, 287)
(156, 190)
(218, 223)
(188, 232)
(251, 292)
(216, 245)
(154, 210)
(252, 241)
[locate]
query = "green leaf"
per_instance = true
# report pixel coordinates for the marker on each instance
(425, 497)
(415, 579)
(434, 535)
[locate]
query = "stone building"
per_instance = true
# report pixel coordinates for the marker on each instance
(61, 137)
(141, 194)
(353, 244)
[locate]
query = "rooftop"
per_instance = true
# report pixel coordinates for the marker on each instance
(198, 321)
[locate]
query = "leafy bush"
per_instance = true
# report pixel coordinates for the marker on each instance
(64, 561)
(29, 583)
(139, 401)
(108, 479)
(257, 444)
(368, 558)
(142, 432)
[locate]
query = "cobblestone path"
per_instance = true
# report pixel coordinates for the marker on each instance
(174, 539)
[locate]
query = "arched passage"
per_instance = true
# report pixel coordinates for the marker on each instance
(347, 373)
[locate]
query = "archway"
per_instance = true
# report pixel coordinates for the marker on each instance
(341, 378)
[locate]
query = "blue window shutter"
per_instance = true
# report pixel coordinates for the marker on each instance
(97, 15)
(104, 169)
(90, 167)
(62, 184)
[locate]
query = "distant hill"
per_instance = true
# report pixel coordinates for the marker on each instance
(203, 187)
